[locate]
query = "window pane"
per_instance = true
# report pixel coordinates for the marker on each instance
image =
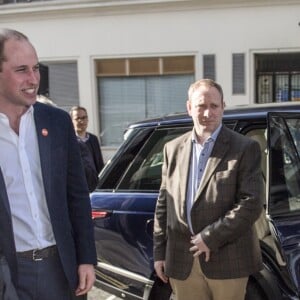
(284, 69)
(295, 87)
(166, 94)
(124, 100)
(259, 135)
(145, 171)
(63, 84)
(282, 87)
(121, 160)
(178, 65)
(265, 88)
(284, 166)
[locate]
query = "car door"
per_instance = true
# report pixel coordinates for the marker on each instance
(283, 192)
(123, 216)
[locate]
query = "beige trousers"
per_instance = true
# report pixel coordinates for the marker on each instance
(199, 287)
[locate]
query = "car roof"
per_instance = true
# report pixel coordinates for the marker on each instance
(231, 112)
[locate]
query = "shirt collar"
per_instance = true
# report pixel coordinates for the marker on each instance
(29, 112)
(83, 139)
(212, 138)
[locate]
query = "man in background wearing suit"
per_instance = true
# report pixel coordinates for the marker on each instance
(45, 215)
(210, 197)
(89, 146)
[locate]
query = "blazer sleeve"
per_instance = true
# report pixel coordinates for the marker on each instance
(79, 204)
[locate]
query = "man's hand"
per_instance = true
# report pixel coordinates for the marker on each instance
(86, 274)
(199, 247)
(159, 267)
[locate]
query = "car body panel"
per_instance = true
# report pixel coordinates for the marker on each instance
(127, 200)
(124, 239)
(126, 231)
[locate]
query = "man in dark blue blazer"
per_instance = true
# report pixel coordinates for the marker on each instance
(45, 215)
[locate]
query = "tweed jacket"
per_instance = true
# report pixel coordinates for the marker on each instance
(226, 205)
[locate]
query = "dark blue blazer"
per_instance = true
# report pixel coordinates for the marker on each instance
(66, 193)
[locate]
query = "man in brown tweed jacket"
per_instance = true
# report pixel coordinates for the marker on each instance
(210, 197)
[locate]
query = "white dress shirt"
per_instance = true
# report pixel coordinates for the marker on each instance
(21, 168)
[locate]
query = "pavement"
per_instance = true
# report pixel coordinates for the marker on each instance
(98, 294)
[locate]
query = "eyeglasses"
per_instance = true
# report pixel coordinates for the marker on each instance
(83, 118)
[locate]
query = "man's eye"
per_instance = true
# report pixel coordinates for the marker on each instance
(21, 70)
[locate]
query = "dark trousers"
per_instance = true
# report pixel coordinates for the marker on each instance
(7, 289)
(43, 280)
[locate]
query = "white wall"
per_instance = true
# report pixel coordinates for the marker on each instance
(195, 29)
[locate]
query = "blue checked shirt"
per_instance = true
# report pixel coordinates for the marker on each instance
(200, 156)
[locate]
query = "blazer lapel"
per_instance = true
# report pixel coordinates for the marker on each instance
(42, 124)
(3, 193)
(218, 152)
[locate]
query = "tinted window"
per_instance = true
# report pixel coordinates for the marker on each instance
(284, 166)
(144, 173)
(115, 168)
(137, 163)
(259, 135)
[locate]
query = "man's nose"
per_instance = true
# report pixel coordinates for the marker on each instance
(206, 112)
(34, 77)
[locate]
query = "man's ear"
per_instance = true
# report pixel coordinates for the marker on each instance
(188, 106)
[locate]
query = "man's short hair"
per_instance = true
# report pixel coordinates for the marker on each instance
(5, 35)
(207, 82)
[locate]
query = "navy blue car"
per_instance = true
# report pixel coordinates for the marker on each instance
(124, 202)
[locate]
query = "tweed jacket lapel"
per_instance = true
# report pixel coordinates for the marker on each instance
(183, 160)
(218, 152)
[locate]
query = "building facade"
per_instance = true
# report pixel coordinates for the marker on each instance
(126, 60)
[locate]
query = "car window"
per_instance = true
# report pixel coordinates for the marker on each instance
(144, 173)
(284, 165)
(115, 168)
(259, 135)
(136, 165)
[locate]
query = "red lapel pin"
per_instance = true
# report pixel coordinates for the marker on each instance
(44, 132)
